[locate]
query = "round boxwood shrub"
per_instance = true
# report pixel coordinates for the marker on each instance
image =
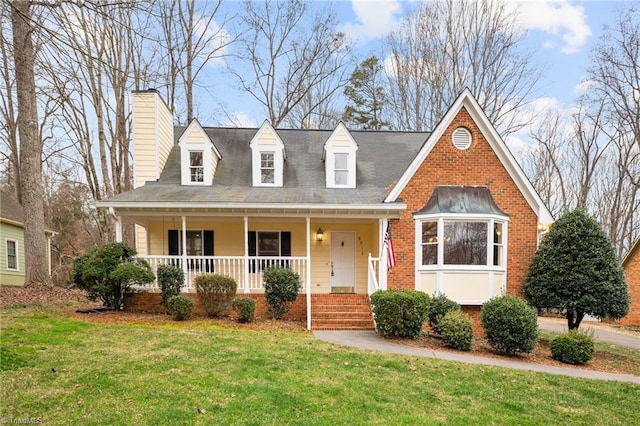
(400, 313)
(510, 325)
(281, 287)
(456, 330)
(440, 305)
(245, 307)
(180, 307)
(574, 347)
(215, 292)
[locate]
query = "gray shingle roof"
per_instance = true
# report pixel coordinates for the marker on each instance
(10, 208)
(382, 157)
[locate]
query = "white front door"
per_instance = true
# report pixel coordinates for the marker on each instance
(343, 262)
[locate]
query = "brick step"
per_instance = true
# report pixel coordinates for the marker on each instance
(341, 308)
(356, 325)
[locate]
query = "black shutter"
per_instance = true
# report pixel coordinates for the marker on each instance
(208, 249)
(251, 240)
(174, 245)
(285, 246)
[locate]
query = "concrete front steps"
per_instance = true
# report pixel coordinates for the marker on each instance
(341, 312)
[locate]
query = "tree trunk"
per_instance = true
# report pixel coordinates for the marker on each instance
(31, 187)
(574, 318)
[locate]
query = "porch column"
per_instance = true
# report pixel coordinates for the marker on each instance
(308, 274)
(246, 256)
(185, 288)
(118, 229)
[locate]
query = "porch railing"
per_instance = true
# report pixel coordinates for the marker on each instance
(247, 272)
(373, 265)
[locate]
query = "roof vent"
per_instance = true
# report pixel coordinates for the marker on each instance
(461, 138)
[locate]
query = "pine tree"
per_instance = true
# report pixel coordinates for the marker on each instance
(366, 96)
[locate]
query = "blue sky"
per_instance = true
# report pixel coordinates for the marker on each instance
(561, 33)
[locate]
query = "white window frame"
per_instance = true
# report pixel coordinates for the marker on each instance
(193, 168)
(331, 168)
(263, 168)
(207, 168)
(17, 256)
(440, 219)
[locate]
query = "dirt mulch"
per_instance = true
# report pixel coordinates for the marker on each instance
(39, 295)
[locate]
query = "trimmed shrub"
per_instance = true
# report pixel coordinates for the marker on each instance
(171, 280)
(574, 347)
(108, 272)
(245, 307)
(180, 307)
(400, 313)
(456, 330)
(438, 308)
(510, 325)
(215, 292)
(281, 287)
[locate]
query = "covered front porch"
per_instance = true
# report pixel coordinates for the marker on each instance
(335, 254)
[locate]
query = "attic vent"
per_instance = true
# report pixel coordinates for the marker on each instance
(461, 138)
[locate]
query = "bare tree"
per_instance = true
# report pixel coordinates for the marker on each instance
(193, 39)
(290, 54)
(449, 45)
(31, 187)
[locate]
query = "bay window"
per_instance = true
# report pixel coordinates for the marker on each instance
(465, 241)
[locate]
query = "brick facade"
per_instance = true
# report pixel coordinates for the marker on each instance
(479, 166)
(632, 274)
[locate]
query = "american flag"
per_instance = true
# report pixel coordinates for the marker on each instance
(388, 244)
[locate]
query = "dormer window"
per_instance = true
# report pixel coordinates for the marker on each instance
(267, 157)
(199, 156)
(196, 166)
(267, 167)
(340, 159)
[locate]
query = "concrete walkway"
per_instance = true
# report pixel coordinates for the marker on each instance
(369, 340)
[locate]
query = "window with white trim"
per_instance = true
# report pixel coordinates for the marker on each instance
(12, 255)
(341, 169)
(464, 241)
(267, 167)
(196, 166)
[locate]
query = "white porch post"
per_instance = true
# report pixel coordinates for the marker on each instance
(185, 288)
(246, 255)
(382, 265)
(308, 274)
(118, 229)
(49, 252)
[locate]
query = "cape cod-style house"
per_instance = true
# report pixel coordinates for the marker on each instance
(462, 216)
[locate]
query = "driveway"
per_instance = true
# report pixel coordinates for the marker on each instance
(602, 332)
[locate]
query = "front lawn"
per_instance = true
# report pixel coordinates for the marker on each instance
(67, 371)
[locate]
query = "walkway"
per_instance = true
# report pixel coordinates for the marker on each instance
(369, 340)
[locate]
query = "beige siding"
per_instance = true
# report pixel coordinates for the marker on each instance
(427, 282)
(15, 233)
(194, 137)
(465, 286)
(152, 136)
(341, 139)
(267, 138)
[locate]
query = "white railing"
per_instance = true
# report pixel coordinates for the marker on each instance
(373, 265)
(247, 272)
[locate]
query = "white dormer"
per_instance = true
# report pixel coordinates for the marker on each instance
(199, 156)
(340, 159)
(267, 157)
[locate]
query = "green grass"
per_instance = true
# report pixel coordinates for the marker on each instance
(65, 371)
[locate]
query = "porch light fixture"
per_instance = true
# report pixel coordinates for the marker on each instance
(319, 235)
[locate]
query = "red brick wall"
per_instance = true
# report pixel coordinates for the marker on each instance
(478, 165)
(632, 273)
(150, 302)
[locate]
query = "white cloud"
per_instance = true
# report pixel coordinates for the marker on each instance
(374, 19)
(557, 18)
(217, 38)
(239, 119)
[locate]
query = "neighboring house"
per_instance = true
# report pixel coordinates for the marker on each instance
(12, 267)
(631, 265)
(463, 218)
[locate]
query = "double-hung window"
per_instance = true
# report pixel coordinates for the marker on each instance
(196, 166)
(267, 167)
(341, 168)
(12, 255)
